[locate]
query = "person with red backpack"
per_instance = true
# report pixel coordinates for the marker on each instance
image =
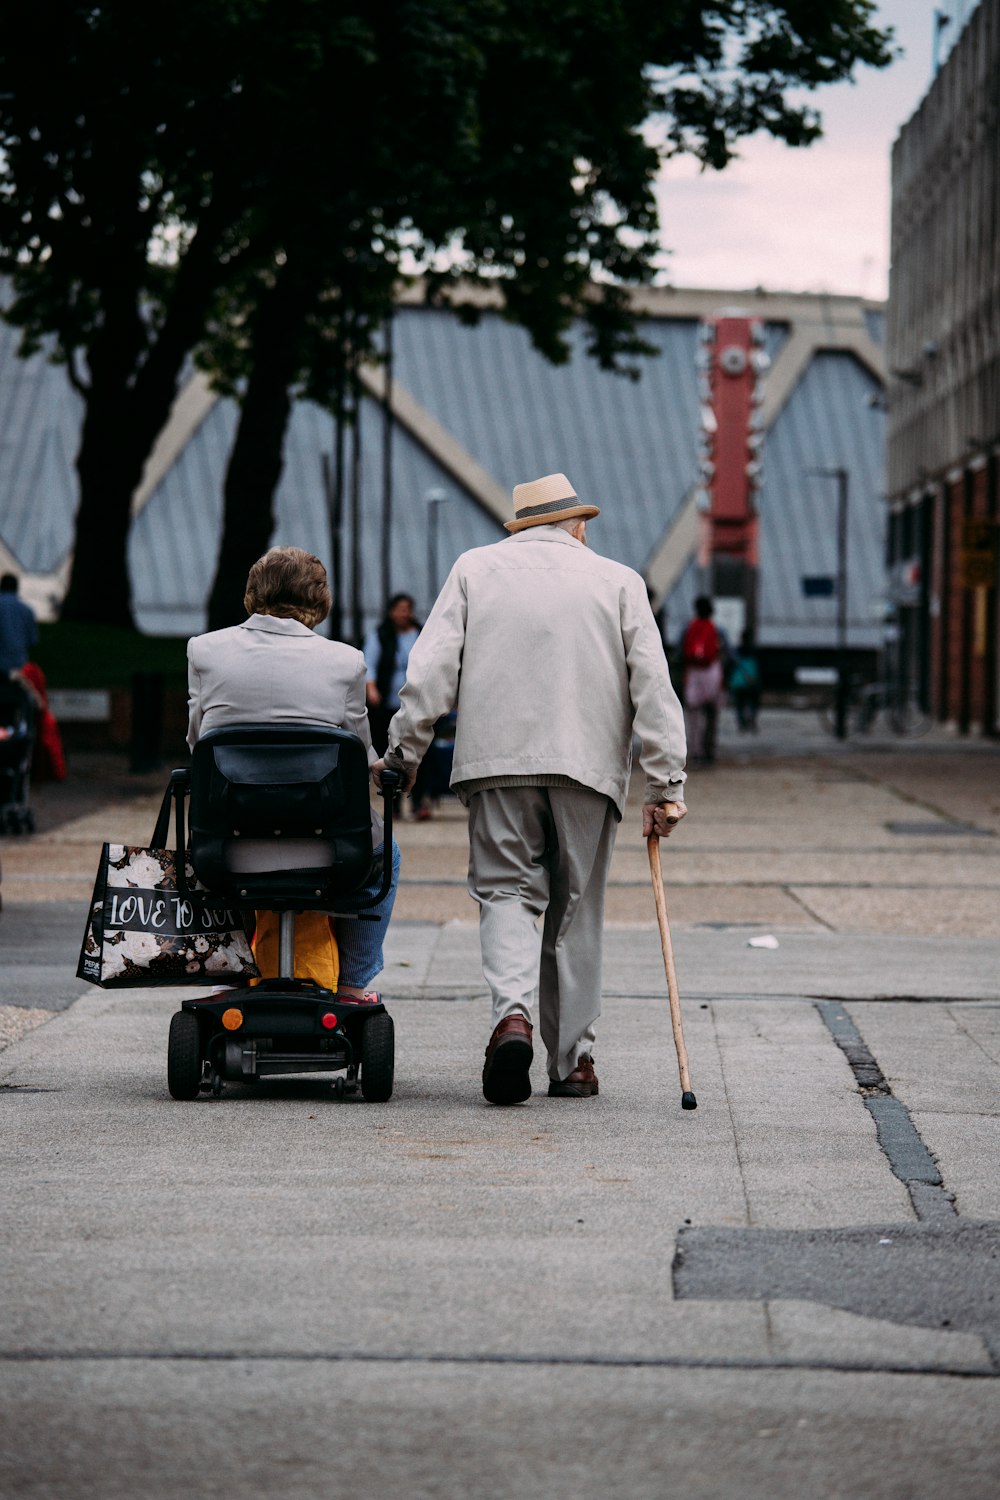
(701, 655)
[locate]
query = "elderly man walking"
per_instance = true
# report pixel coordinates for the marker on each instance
(552, 658)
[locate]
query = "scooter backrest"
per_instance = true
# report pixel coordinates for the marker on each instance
(260, 793)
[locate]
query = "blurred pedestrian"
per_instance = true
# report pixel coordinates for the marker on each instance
(387, 650)
(18, 627)
(552, 657)
(743, 682)
(701, 656)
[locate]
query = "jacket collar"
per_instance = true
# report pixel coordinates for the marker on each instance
(275, 625)
(545, 534)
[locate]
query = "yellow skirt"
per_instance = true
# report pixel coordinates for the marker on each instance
(316, 953)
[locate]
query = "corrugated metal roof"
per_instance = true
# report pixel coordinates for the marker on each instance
(629, 446)
(302, 516)
(40, 416)
(174, 542)
(827, 422)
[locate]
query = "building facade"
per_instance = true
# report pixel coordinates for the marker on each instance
(943, 358)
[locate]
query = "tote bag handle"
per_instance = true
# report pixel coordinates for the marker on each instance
(177, 788)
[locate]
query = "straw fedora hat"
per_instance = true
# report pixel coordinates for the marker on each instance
(546, 500)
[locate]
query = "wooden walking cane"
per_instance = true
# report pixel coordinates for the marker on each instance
(688, 1101)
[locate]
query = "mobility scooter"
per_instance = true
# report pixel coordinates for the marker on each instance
(280, 820)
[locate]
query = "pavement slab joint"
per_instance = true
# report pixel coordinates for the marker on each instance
(898, 1136)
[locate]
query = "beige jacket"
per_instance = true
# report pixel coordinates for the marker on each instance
(274, 671)
(552, 658)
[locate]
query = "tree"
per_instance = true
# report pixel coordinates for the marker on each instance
(304, 327)
(91, 178)
(133, 154)
(347, 197)
(577, 104)
(232, 168)
(506, 141)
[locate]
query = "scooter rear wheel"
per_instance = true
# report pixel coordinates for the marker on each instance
(378, 1057)
(184, 1065)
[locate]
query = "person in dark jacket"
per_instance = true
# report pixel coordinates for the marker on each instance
(387, 651)
(18, 627)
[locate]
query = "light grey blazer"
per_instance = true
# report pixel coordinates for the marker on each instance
(274, 671)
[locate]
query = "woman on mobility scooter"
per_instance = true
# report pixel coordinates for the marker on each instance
(273, 668)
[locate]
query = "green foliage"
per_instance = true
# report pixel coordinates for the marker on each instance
(103, 656)
(164, 173)
(116, 132)
(515, 142)
(506, 137)
(574, 105)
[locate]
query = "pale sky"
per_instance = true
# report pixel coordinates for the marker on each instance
(815, 219)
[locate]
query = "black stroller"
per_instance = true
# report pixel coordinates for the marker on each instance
(307, 786)
(18, 717)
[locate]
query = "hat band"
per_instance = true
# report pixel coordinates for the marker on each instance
(545, 510)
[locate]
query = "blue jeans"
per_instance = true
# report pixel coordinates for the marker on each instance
(360, 938)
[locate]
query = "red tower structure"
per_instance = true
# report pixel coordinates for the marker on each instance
(732, 361)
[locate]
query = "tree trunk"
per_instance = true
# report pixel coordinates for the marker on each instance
(257, 456)
(100, 591)
(131, 391)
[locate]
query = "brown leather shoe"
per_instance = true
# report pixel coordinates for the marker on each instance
(581, 1083)
(508, 1059)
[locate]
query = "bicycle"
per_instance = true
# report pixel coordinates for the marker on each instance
(897, 704)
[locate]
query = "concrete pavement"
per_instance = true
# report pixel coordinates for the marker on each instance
(277, 1293)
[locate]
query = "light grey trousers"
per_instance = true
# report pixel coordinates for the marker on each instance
(543, 851)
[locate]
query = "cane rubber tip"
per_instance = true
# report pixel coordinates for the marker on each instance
(688, 1101)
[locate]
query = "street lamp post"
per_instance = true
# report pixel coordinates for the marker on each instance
(333, 490)
(435, 499)
(840, 707)
(388, 421)
(357, 611)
